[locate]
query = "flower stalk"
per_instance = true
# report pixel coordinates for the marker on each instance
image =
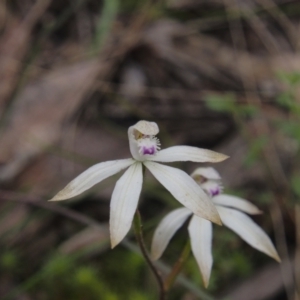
(169, 281)
(139, 236)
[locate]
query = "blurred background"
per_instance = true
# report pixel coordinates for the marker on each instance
(75, 74)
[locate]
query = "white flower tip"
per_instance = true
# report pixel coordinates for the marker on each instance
(64, 194)
(145, 127)
(156, 250)
(116, 235)
(269, 249)
(210, 214)
(205, 277)
(217, 220)
(276, 257)
(273, 253)
(54, 199)
(113, 242)
(220, 157)
(214, 157)
(254, 211)
(206, 282)
(214, 217)
(154, 255)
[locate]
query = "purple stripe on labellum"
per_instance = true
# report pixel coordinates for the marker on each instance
(215, 192)
(148, 150)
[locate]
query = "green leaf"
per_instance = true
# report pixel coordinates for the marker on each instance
(247, 110)
(255, 150)
(9, 260)
(221, 103)
(291, 79)
(295, 182)
(286, 100)
(290, 128)
(104, 25)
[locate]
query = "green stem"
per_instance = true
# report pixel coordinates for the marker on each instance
(177, 267)
(139, 236)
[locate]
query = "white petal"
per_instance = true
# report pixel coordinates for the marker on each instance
(249, 231)
(124, 202)
(92, 176)
(200, 231)
(185, 190)
(166, 229)
(237, 203)
(187, 153)
(208, 173)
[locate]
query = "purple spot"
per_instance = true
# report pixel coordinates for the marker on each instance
(150, 150)
(215, 192)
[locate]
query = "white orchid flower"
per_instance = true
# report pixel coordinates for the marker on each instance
(232, 212)
(145, 150)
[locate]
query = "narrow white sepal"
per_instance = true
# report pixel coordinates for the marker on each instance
(249, 231)
(185, 190)
(166, 229)
(237, 203)
(92, 176)
(187, 153)
(200, 231)
(124, 202)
